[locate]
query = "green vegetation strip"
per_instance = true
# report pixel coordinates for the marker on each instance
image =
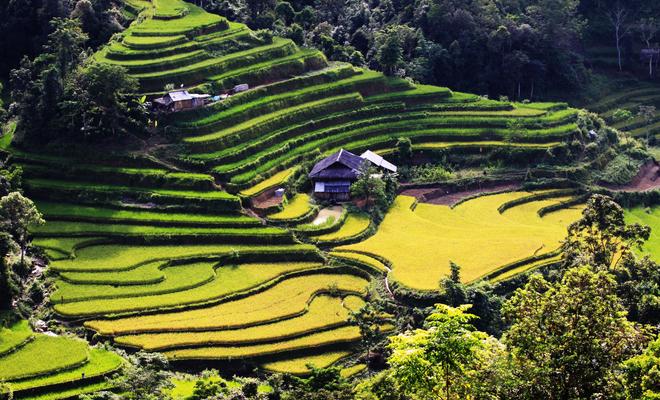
(112, 258)
(62, 211)
(176, 278)
(101, 362)
(14, 337)
(43, 355)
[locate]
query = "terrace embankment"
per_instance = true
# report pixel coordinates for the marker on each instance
(449, 195)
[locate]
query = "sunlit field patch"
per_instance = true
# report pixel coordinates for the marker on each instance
(651, 218)
(421, 243)
(286, 299)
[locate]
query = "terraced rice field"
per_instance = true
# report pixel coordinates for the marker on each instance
(649, 217)
(38, 366)
(630, 97)
(156, 251)
(420, 243)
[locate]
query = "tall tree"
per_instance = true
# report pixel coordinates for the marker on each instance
(601, 238)
(431, 363)
(567, 336)
(648, 29)
(619, 16)
(390, 54)
(17, 215)
(99, 102)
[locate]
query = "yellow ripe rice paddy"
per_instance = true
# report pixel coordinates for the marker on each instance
(421, 243)
(298, 365)
(345, 334)
(286, 299)
(228, 280)
(323, 312)
(354, 225)
(295, 208)
(274, 180)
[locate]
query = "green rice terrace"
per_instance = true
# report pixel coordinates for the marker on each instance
(628, 97)
(180, 249)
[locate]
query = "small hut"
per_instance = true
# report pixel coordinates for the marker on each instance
(180, 100)
(334, 175)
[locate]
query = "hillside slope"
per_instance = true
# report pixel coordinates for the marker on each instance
(157, 251)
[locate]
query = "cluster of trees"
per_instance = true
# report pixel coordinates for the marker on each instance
(64, 93)
(624, 25)
(25, 25)
(514, 48)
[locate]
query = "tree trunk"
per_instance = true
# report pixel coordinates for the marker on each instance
(531, 92)
(618, 46)
(651, 66)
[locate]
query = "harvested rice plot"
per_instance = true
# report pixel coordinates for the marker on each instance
(474, 235)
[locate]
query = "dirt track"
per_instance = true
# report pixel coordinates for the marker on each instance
(448, 198)
(648, 178)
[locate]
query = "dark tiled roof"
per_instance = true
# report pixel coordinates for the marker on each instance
(351, 165)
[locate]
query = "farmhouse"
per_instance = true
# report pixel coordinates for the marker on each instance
(180, 100)
(333, 176)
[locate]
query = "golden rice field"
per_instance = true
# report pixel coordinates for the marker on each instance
(420, 244)
(297, 207)
(299, 365)
(286, 299)
(322, 313)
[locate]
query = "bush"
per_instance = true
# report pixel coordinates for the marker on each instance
(621, 115)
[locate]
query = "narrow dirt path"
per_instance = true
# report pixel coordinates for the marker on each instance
(440, 196)
(647, 179)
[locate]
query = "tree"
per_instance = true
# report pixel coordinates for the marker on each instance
(99, 103)
(404, 148)
(431, 363)
(647, 113)
(8, 280)
(145, 378)
(17, 215)
(369, 319)
(454, 291)
(619, 15)
(66, 44)
(390, 54)
(648, 28)
(639, 377)
(601, 238)
(285, 11)
(369, 186)
(567, 336)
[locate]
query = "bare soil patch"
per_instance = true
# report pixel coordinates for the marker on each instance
(448, 196)
(326, 213)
